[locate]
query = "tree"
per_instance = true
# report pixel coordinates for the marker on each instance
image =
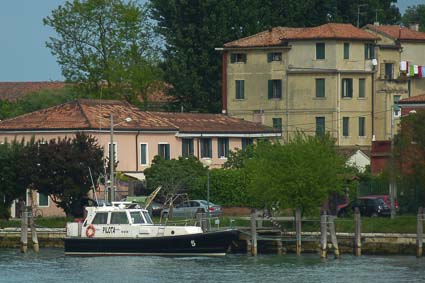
(193, 29)
(14, 179)
(410, 160)
(300, 174)
(415, 15)
(175, 175)
(104, 44)
(62, 169)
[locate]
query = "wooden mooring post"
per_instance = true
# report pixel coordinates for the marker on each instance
(24, 228)
(419, 232)
(357, 233)
(298, 230)
(332, 232)
(253, 232)
(324, 235)
(34, 238)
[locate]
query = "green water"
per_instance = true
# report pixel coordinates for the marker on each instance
(50, 265)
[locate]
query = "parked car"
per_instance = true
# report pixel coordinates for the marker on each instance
(387, 200)
(188, 209)
(371, 206)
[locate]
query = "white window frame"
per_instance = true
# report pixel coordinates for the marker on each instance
(38, 201)
(147, 154)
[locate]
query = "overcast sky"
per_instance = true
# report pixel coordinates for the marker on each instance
(23, 55)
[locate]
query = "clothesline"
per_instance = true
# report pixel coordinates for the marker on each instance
(412, 70)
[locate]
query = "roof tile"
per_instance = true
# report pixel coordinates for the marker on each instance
(413, 99)
(398, 32)
(13, 91)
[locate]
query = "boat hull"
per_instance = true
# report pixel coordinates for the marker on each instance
(206, 244)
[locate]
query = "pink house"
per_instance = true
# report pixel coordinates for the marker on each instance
(138, 135)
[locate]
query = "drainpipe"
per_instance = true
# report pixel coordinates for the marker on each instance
(224, 81)
(137, 151)
(338, 110)
(287, 97)
(373, 104)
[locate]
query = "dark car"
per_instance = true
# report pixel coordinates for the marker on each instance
(368, 206)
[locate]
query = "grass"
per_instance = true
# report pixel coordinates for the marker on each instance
(401, 224)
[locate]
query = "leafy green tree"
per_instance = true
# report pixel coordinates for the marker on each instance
(300, 174)
(62, 169)
(193, 29)
(104, 44)
(175, 175)
(14, 179)
(415, 15)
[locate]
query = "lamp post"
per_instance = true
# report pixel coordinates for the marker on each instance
(112, 155)
(207, 163)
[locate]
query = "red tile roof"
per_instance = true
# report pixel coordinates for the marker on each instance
(12, 91)
(398, 32)
(277, 36)
(212, 123)
(88, 114)
(414, 99)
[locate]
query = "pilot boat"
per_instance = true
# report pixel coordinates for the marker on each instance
(121, 229)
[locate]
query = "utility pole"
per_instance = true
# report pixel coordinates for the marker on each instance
(392, 175)
(112, 161)
(358, 13)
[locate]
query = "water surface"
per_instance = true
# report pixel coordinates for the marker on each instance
(50, 265)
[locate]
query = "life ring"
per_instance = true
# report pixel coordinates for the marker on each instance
(90, 231)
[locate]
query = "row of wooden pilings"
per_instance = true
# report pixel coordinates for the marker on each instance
(27, 216)
(327, 225)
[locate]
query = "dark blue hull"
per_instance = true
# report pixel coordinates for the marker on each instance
(209, 244)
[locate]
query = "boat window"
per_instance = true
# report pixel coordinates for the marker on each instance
(147, 217)
(100, 218)
(136, 217)
(119, 218)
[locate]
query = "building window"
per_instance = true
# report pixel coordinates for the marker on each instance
(369, 51)
(362, 88)
(320, 50)
(397, 112)
(238, 58)
(347, 88)
(275, 89)
(277, 123)
(115, 151)
(247, 142)
(206, 148)
(187, 147)
(144, 154)
(274, 56)
(346, 50)
(223, 147)
(362, 124)
(164, 150)
(389, 71)
(320, 87)
(345, 126)
(240, 89)
(43, 200)
(320, 126)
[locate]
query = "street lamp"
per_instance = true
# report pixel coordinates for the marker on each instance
(207, 163)
(112, 155)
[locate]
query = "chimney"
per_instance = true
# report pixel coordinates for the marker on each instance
(414, 27)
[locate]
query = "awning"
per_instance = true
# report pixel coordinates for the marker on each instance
(139, 176)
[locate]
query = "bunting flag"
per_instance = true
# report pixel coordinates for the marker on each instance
(411, 71)
(421, 71)
(403, 66)
(415, 69)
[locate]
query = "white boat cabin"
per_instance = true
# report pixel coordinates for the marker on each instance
(117, 221)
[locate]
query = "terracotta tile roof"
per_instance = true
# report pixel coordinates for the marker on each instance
(397, 32)
(414, 99)
(88, 114)
(14, 90)
(277, 36)
(212, 123)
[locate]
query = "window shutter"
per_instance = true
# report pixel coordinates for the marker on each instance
(350, 88)
(279, 88)
(270, 89)
(244, 58)
(242, 89)
(269, 57)
(209, 148)
(232, 58)
(167, 152)
(159, 150)
(365, 51)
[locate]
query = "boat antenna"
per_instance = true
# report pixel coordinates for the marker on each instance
(93, 187)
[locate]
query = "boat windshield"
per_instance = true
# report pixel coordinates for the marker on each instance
(147, 217)
(136, 217)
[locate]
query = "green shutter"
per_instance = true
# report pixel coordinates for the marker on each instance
(279, 89)
(320, 50)
(350, 87)
(210, 148)
(269, 57)
(361, 126)
(143, 157)
(320, 87)
(242, 89)
(346, 50)
(365, 51)
(361, 88)
(232, 58)
(159, 150)
(345, 126)
(270, 89)
(167, 152)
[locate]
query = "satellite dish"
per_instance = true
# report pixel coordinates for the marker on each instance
(374, 62)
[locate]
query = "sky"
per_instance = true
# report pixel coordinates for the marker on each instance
(23, 55)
